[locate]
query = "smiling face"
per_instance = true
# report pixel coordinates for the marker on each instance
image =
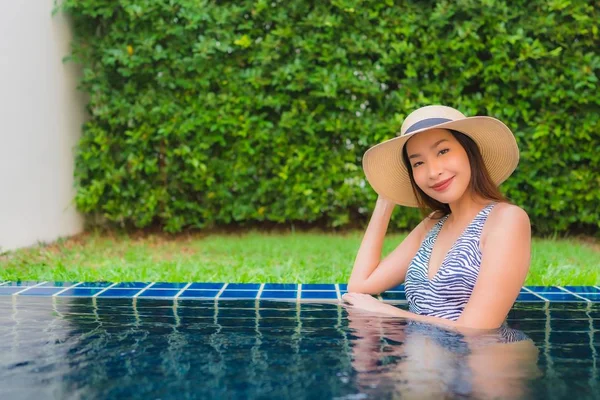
(440, 165)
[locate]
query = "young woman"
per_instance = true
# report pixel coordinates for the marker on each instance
(465, 263)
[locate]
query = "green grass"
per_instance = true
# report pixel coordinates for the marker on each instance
(251, 257)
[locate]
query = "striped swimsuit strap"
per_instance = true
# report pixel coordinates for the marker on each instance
(477, 222)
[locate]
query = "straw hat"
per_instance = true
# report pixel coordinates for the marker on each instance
(385, 169)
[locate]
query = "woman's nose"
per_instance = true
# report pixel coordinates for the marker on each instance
(435, 169)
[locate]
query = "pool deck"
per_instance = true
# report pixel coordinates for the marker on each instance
(258, 291)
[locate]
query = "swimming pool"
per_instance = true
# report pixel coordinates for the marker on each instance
(68, 346)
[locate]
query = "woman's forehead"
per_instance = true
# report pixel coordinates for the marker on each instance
(428, 138)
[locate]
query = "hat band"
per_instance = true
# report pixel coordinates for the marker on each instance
(426, 123)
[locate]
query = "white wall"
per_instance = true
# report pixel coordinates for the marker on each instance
(41, 114)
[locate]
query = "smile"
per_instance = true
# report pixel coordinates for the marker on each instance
(442, 185)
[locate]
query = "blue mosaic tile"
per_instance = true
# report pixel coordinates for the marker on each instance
(198, 294)
(239, 294)
(318, 286)
(280, 286)
(94, 285)
(545, 289)
(319, 295)
(169, 285)
(41, 291)
(561, 297)
(243, 286)
(526, 296)
(393, 296)
(399, 288)
(206, 286)
(595, 297)
(249, 290)
(158, 293)
(132, 285)
(279, 294)
(112, 292)
(582, 289)
(77, 292)
(9, 291)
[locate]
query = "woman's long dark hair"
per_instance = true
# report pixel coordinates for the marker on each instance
(480, 183)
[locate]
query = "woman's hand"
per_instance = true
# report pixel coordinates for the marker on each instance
(367, 303)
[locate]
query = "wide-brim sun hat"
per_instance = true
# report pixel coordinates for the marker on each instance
(388, 175)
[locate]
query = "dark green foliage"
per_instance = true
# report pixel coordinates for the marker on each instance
(206, 112)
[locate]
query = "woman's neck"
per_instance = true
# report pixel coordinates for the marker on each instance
(464, 209)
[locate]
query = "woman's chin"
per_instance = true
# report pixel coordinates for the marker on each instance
(445, 198)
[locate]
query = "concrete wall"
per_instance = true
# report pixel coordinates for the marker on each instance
(41, 114)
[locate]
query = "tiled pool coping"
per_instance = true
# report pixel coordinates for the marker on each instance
(258, 291)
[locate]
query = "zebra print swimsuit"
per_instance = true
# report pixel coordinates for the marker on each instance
(447, 293)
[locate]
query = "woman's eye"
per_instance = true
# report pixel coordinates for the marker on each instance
(415, 165)
(444, 151)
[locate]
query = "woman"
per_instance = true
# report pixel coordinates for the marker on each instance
(464, 264)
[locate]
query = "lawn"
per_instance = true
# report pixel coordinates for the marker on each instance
(304, 257)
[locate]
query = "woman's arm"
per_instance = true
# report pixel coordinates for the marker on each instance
(369, 253)
(370, 274)
(504, 265)
(367, 303)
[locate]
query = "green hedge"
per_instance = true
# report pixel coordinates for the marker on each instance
(206, 113)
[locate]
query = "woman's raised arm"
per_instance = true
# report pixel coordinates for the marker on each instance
(372, 275)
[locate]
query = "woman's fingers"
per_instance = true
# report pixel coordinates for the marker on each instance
(353, 298)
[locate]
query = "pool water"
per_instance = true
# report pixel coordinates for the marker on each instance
(94, 348)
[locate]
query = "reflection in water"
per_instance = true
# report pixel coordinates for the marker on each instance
(416, 360)
(141, 348)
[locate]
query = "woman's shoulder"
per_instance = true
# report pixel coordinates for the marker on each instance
(507, 214)
(505, 217)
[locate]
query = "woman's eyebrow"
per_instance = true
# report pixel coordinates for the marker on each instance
(432, 147)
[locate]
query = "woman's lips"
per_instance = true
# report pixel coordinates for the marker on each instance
(442, 185)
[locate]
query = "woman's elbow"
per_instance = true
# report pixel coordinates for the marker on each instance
(359, 288)
(353, 287)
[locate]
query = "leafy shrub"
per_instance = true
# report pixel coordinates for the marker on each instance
(207, 112)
